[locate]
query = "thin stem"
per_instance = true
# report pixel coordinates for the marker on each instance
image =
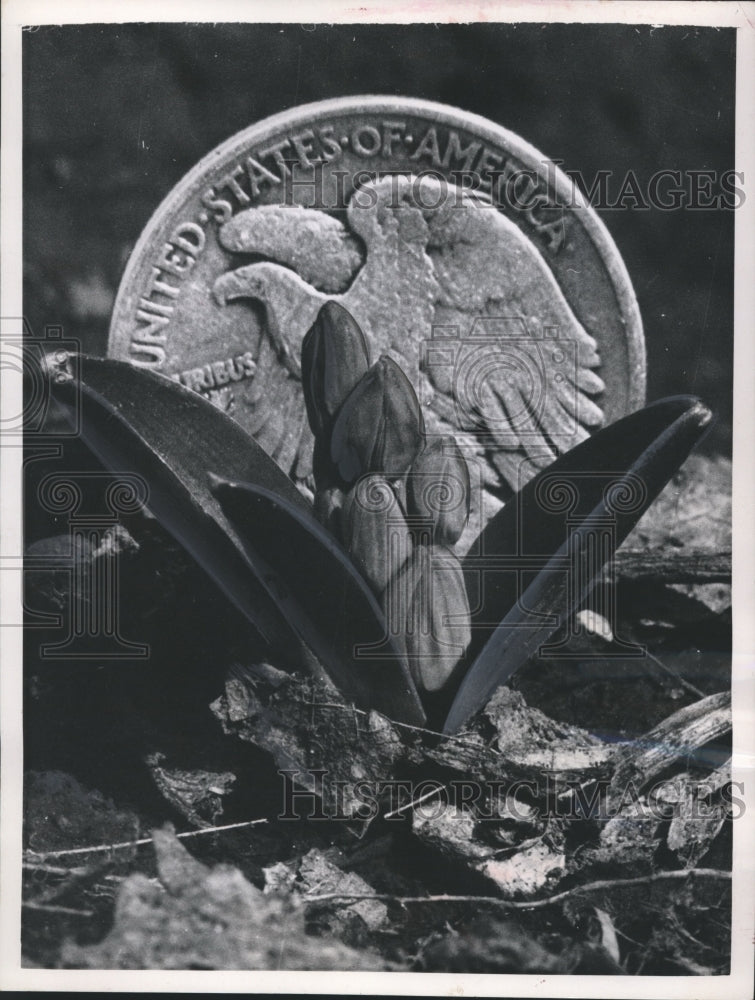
(535, 904)
(676, 675)
(49, 908)
(401, 725)
(414, 802)
(137, 843)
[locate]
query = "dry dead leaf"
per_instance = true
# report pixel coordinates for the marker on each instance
(207, 918)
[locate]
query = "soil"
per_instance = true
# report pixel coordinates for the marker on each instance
(204, 734)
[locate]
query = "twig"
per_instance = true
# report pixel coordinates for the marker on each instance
(138, 843)
(534, 904)
(678, 735)
(34, 866)
(50, 908)
(672, 566)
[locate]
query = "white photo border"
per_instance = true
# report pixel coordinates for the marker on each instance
(16, 14)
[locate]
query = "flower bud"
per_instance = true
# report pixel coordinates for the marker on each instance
(374, 531)
(379, 428)
(437, 489)
(437, 630)
(334, 356)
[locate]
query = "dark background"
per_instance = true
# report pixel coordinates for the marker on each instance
(116, 114)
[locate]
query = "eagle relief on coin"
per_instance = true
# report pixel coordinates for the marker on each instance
(460, 250)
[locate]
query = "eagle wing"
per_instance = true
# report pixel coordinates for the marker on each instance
(454, 290)
(506, 349)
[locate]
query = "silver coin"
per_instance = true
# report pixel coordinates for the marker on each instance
(460, 250)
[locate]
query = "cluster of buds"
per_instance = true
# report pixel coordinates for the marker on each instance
(397, 502)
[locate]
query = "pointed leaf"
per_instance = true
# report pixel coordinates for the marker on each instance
(322, 595)
(599, 489)
(137, 421)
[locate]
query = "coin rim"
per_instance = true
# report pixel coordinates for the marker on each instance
(445, 114)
